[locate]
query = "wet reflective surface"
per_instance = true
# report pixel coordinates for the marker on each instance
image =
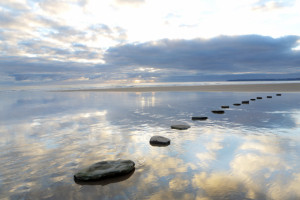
(249, 152)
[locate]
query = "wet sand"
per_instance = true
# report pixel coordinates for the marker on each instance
(249, 152)
(271, 87)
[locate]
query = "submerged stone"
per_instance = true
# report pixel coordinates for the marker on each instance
(269, 97)
(278, 94)
(224, 107)
(159, 141)
(105, 169)
(199, 118)
(218, 111)
(180, 127)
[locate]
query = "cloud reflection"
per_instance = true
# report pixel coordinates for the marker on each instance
(48, 136)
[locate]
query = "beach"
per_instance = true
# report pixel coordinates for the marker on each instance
(271, 87)
(250, 151)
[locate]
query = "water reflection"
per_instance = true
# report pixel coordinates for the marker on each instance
(250, 152)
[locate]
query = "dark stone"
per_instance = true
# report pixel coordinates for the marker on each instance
(180, 127)
(258, 97)
(105, 181)
(105, 169)
(218, 111)
(245, 102)
(236, 104)
(252, 99)
(159, 141)
(224, 107)
(269, 97)
(278, 94)
(199, 118)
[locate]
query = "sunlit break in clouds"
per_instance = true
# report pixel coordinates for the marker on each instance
(123, 41)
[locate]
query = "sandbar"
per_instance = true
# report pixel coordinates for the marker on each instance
(266, 87)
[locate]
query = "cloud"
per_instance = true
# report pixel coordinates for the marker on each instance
(26, 30)
(20, 5)
(132, 2)
(224, 54)
(53, 40)
(268, 5)
(115, 33)
(39, 37)
(39, 70)
(221, 58)
(59, 6)
(54, 7)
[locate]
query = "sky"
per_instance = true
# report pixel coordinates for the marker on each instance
(137, 41)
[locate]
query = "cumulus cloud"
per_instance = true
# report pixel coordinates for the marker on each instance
(267, 5)
(115, 33)
(36, 29)
(45, 34)
(220, 58)
(26, 34)
(39, 70)
(58, 6)
(224, 54)
(133, 2)
(20, 5)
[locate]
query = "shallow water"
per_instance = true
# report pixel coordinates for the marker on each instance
(250, 152)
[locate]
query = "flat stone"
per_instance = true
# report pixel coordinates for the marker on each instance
(236, 104)
(106, 181)
(252, 99)
(159, 141)
(258, 97)
(180, 127)
(269, 97)
(224, 107)
(245, 102)
(278, 94)
(218, 111)
(199, 118)
(105, 169)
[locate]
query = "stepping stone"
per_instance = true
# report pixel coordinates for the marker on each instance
(105, 169)
(106, 181)
(224, 107)
(159, 141)
(258, 97)
(269, 97)
(180, 127)
(278, 94)
(199, 118)
(252, 99)
(218, 111)
(245, 102)
(236, 104)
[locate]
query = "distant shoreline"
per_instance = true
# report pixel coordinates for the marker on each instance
(272, 87)
(242, 80)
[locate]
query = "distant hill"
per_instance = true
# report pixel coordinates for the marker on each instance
(284, 79)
